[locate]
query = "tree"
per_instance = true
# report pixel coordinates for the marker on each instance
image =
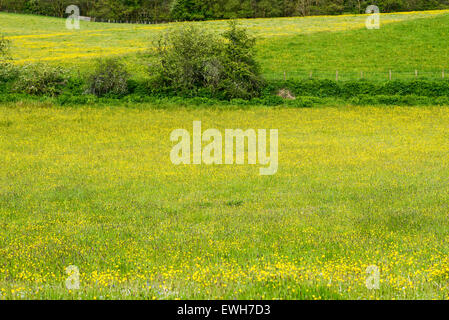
(185, 10)
(166, 10)
(243, 78)
(191, 60)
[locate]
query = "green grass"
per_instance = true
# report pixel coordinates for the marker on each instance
(296, 46)
(401, 47)
(94, 187)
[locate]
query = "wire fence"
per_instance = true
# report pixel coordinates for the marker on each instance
(342, 75)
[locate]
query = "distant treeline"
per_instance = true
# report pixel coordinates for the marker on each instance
(177, 10)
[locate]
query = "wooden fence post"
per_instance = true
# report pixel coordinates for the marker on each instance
(336, 76)
(390, 75)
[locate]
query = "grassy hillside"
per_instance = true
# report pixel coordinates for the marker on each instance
(295, 45)
(401, 47)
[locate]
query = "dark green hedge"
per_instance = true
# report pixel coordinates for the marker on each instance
(308, 93)
(348, 89)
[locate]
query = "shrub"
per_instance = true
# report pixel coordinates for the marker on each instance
(348, 89)
(197, 62)
(41, 79)
(5, 45)
(186, 57)
(109, 78)
(242, 78)
(7, 70)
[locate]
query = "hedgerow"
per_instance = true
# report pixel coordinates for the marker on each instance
(348, 89)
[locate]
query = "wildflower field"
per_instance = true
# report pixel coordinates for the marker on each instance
(95, 188)
(92, 186)
(296, 46)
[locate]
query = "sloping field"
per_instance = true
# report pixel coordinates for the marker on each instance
(294, 45)
(401, 47)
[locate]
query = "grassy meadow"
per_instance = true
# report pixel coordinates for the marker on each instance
(296, 46)
(93, 185)
(95, 188)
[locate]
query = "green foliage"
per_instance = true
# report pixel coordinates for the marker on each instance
(7, 70)
(166, 10)
(242, 78)
(348, 89)
(5, 45)
(109, 78)
(192, 61)
(186, 10)
(186, 56)
(41, 79)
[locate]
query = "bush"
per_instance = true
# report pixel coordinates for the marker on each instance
(197, 62)
(109, 78)
(186, 56)
(348, 89)
(4, 49)
(8, 72)
(41, 79)
(242, 77)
